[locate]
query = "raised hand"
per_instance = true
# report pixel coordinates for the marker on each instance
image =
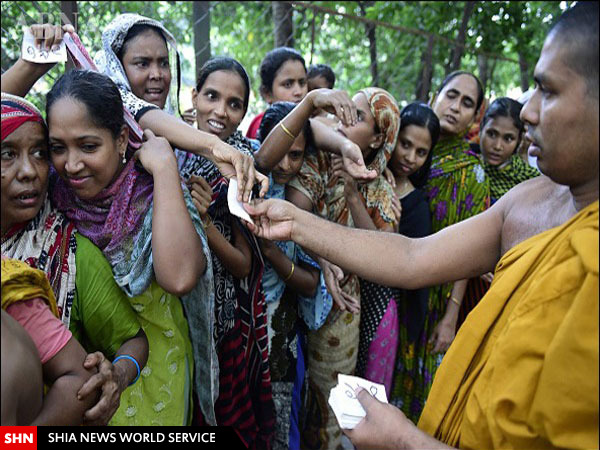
(47, 36)
(336, 102)
(233, 163)
(354, 162)
(155, 153)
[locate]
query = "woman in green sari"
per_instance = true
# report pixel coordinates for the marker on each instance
(457, 189)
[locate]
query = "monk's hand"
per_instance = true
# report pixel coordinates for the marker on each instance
(381, 428)
(443, 334)
(234, 164)
(110, 381)
(273, 218)
(354, 162)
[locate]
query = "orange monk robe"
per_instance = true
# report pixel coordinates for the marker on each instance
(522, 372)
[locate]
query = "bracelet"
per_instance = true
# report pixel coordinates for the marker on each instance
(286, 131)
(131, 358)
(207, 223)
(291, 273)
(455, 300)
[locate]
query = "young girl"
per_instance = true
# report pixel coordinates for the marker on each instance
(370, 122)
(220, 100)
(143, 222)
(283, 79)
(410, 165)
(380, 327)
(500, 136)
(294, 287)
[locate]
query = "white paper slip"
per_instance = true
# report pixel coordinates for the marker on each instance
(342, 399)
(235, 207)
(29, 52)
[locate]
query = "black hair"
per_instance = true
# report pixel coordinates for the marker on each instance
(228, 64)
(273, 61)
(135, 31)
(421, 115)
(456, 73)
(274, 114)
(505, 107)
(322, 70)
(578, 27)
(97, 92)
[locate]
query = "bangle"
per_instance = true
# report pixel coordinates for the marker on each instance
(131, 358)
(286, 131)
(291, 273)
(455, 300)
(207, 222)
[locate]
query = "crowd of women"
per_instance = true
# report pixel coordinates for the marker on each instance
(149, 303)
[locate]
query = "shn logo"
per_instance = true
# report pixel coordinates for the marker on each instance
(18, 438)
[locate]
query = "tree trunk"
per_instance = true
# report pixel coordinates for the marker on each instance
(483, 67)
(426, 73)
(370, 29)
(69, 12)
(458, 50)
(283, 25)
(524, 66)
(201, 26)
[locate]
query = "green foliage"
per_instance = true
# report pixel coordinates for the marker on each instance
(244, 30)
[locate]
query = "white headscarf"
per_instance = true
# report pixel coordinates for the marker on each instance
(113, 38)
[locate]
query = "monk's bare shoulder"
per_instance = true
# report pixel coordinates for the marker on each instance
(533, 207)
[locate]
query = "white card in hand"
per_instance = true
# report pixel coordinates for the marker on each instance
(29, 52)
(235, 207)
(346, 407)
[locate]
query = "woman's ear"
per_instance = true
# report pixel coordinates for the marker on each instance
(267, 96)
(123, 139)
(194, 96)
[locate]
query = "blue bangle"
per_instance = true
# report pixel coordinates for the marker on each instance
(131, 358)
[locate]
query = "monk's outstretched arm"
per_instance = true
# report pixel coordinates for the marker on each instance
(469, 248)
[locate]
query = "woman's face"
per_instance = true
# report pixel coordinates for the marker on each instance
(86, 156)
(289, 84)
(412, 149)
(220, 103)
(24, 174)
(363, 133)
(499, 140)
(456, 105)
(146, 64)
(291, 163)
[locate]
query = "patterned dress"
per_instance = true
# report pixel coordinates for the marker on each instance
(241, 318)
(289, 316)
(457, 189)
(333, 348)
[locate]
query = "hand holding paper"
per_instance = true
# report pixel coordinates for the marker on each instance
(343, 401)
(30, 52)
